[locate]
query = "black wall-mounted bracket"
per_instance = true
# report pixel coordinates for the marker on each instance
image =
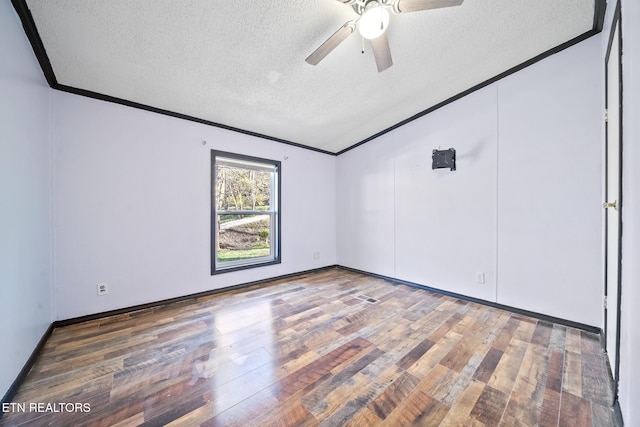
(443, 159)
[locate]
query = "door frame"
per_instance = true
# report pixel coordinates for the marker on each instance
(617, 23)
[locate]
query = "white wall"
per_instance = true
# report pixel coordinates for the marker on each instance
(445, 220)
(365, 208)
(25, 245)
(398, 218)
(630, 332)
(523, 206)
(550, 186)
(132, 206)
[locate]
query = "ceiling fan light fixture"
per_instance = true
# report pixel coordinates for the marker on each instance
(374, 21)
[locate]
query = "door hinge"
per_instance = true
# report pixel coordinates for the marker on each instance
(604, 302)
(606, 115)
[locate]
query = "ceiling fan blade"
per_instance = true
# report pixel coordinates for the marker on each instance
(331, 43)
(404, 6)
(382, 52)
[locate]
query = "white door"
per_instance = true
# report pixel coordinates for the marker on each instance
(613, 202)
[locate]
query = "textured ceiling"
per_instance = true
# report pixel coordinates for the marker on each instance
(242, 64)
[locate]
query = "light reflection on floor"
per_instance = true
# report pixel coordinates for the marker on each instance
(242, 362)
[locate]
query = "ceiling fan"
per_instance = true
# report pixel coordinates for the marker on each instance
(372, 23)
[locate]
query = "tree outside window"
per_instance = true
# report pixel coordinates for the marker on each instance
(245, 211)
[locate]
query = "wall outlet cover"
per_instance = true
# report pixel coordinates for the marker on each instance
(103, 289)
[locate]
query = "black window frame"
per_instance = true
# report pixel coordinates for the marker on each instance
(277, 258)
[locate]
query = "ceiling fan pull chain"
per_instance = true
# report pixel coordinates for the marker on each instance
(362, 44)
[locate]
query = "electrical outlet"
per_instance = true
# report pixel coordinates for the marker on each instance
(316, 255)
(103, 289)
(480, 277)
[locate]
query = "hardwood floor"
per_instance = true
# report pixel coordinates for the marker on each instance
(334, 348)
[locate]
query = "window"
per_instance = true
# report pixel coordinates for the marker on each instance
(245, 212)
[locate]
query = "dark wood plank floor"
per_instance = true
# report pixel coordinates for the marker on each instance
(334, 348)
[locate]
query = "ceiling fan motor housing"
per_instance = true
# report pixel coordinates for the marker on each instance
(360, 6)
